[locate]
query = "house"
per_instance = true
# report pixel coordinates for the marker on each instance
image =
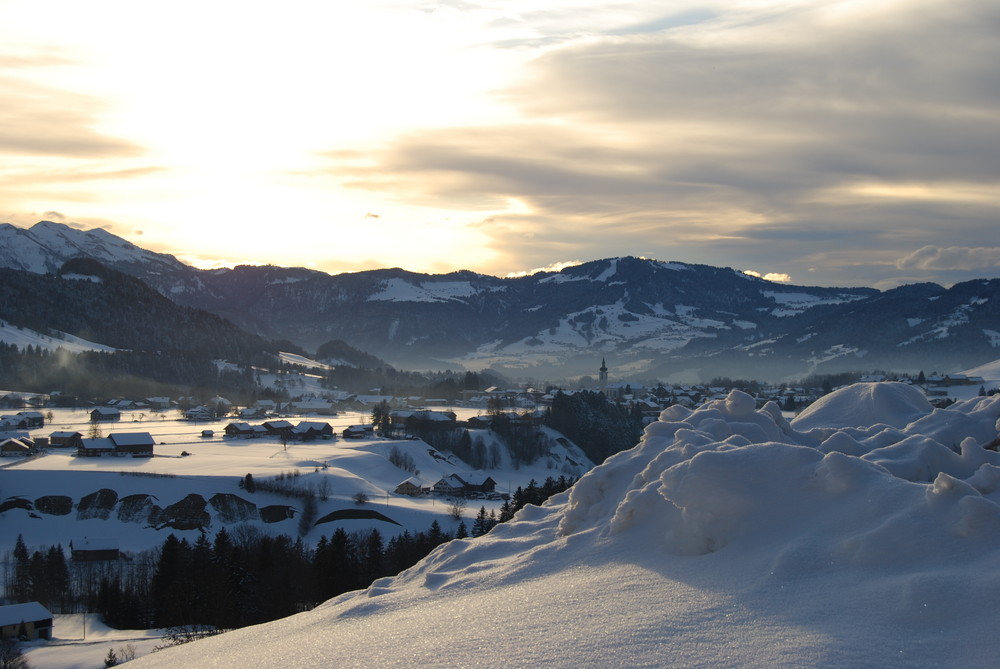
(480, 422)
(17, 422)
(359, 432)
(33, 419)
(136, 444)
(454, 485)
(13, 447)
(450, 486)
(159, 403)
(309, 430)
(317, 405)
(95, 448)
(200, 413)
(240, 431)
(266, 405)
(278, 428)
(248, 412)
(95, 551)
(411, 487)
(29, 620)
(477, 484)
(105, 414)
(65, 439)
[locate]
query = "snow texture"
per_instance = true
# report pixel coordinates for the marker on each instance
(865, 533)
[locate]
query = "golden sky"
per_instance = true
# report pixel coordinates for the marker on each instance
(821, 142)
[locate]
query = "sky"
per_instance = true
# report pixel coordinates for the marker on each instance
(822, 142)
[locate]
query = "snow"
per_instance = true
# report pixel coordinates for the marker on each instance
(400, 290)
(863, 533)
(80, 642)
(791, 304)
(295, 359)
(217, 464)
(24, 337)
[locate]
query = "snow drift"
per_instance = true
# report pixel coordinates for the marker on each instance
(864, 533)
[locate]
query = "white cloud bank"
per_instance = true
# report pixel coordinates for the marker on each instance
(952, 258)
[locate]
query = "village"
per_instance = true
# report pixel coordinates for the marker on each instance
(526, 404)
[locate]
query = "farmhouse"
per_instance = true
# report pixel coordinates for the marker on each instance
(200, 413)
(95, 448)
(17, 422)
(317, 405)
(412, 487)
(95, 551)
(278, 428)
(65, 439)
(240, 431)
(309, 430)
(13, 447)
(359, 432)
(136, 444)
(29, 620)
(33, 419)
(104, 414)
(454, 485)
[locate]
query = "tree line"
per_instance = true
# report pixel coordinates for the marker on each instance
(239, 578)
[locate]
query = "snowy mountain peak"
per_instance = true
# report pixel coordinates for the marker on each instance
(45, 246)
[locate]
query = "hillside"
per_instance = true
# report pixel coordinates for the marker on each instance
(726, 537)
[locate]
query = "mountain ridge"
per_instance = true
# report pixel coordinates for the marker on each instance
(650, 318)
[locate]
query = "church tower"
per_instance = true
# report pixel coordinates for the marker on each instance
(603, 376)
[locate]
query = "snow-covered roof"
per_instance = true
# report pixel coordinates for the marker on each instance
(132, 439)
(15, 614)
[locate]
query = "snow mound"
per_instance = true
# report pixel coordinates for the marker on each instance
(726, 537)
(864, 405)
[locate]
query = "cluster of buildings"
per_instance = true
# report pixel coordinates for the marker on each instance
(453, 485)
(282, 429)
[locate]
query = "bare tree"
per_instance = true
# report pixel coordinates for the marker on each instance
(457, 507)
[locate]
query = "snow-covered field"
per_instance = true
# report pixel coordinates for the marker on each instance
(865, 533)
(341, 468)
(81, 642)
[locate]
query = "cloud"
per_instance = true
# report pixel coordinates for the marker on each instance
(952, 258)
(554, 267)
(739, 139)
(38, 120)
(777, 277)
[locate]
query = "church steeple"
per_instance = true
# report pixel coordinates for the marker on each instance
(603, 376)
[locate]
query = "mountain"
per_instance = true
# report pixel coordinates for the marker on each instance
(649, 319)
(128, 337)
(45, 246)
(727, 537)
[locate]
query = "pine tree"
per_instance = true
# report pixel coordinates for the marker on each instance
(20, 592)
(479, 527)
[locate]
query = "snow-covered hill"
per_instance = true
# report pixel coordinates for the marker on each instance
(25, 337)
(863, 534)
(45, 246)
